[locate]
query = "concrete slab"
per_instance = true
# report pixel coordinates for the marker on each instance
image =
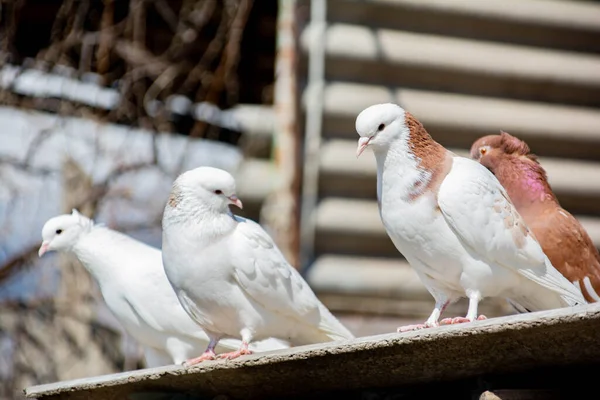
(339, 215)
(566, 176)
(501, 345)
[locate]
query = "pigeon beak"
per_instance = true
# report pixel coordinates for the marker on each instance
(363, 142)
(43, 248)
(236, 202)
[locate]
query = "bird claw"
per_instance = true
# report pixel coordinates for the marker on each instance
(408, 328)
(234, 354)
(209, 355)
(460, 320)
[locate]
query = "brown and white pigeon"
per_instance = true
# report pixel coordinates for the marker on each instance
(454, 222)
(562, 237)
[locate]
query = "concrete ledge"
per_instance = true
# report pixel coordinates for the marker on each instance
(575, 182)
(571, 25)
(565, 175)
(353, 226)
(397, 48)
(256, 179)
(549, 14)
(456, 120)
(435, 62)
(563, 337)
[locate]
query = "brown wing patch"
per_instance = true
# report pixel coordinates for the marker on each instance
(513, 221)
(434, 160)
(174, 197)
(509, 221)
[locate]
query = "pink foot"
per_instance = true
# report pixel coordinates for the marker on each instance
(408, 328)
(207, 355)
(459, 320)
(235, 354)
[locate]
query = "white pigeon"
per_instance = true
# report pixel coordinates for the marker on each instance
(228, 273)
(454, 222)
(136, 290)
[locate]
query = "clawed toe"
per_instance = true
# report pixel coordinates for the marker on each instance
(460, 320)
(198, 360)
(455, 320)
(234, 354)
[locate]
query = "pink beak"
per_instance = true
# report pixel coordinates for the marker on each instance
(236, 202)
(43, 248)
(363, 142)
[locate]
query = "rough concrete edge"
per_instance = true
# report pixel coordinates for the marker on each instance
(510, 323)
(337, 89)
(548, 15)
(337, 151)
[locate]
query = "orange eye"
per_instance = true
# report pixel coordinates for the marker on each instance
(483, 150)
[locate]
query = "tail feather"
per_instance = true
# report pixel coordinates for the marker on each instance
(269, 344)
(544, 292)
(332, 327)
(518, 307)
(157, 358)
(559, 291)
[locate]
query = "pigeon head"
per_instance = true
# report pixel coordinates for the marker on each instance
(380, 125)
(491, 149)
(517, 169)
(61, 233)
(213, 188)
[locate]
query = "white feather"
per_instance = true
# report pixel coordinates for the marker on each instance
(467, 198)
(135, 288)
(229, 273)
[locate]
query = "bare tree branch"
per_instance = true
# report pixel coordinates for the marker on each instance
(17, 262)
(24, 166)
(196, 56)
(166, 12)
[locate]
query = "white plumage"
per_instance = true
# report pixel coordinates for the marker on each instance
(454, 222)
(229, 274)
(133, 283)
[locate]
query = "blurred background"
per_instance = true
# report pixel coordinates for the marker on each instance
(104, 103)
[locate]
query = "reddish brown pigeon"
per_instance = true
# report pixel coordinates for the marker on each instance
(563, 239)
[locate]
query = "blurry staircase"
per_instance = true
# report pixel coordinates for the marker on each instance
(465, 69)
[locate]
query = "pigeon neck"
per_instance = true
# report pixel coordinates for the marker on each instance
(197, 216)
(412, 166)
(397, 169)
(87, 250)
(528, 187)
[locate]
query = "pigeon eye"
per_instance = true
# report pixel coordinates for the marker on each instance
(483, 150)
(218, 191)
(381, 127)
(58, 231)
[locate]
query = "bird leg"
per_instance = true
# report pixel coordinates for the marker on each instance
(247, 335)
(209, 354)
(235, 354)
(432, 321)
(471, 314)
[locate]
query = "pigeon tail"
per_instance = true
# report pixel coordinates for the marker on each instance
(328, 329)
(331, 327)
(157, 358)
(553, 291)
(569, 293)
